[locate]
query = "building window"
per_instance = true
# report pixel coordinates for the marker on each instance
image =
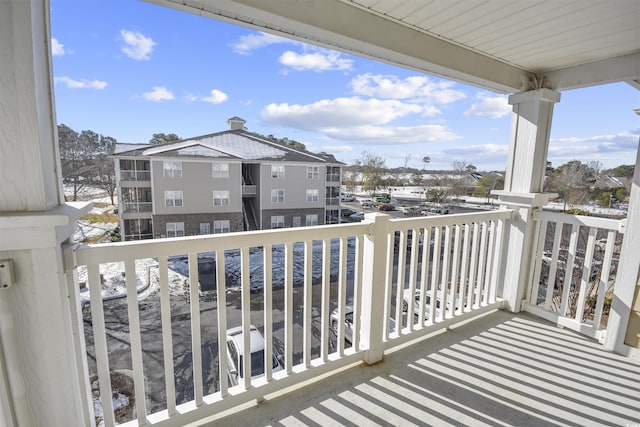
(221, 226)
(175, 229)
(277, 196)
(296, 221)
(220, 170)
(312, 219)
(312, 196)
(172, 169)
(173, 198)
(277, 221)
(205, 228)
(221, 198)
(313, 172)
(277, 171)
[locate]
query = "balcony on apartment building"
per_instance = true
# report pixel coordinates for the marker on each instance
(507, 317)
(422, 296)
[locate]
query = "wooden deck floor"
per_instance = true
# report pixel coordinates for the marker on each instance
(500, 370)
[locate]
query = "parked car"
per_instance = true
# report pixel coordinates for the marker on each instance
(235, 355)
(381, 199)
(348, 323)
(346, 212)
(358, 216)
(367, 202)
(347, 198)
(386, 207)
(407, 299)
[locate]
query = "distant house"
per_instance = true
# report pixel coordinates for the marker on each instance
(223, 182)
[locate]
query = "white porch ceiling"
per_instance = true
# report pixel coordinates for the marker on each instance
(501, 45)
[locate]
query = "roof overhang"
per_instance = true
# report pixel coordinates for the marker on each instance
(516, 48)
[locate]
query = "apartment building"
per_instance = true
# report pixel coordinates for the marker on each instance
(223, 182)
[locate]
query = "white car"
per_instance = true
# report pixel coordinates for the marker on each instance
(406, 300)
(348, 323)
(235, 355)
(367, 202)
(347, 198)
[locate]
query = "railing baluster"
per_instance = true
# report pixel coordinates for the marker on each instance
(221, 293)
(267, 288)
(167, 340)
(455, 270)
(424, 273)
(473, 285)
(135, 340)
(586, 273)
(196, 341)
(326, 293)
(245, 291)
(342, 286)
(444, 274)
(307, 308)
(288, 308)
(389, 279)
(568, 273)
(464, 268)
(540, 232)
(357, 294)
(553, 267)
(497, 259)
(482, 265)
(401, 265)
(413, 266)
(435, 269)
(491, 238)
(100, 343)
(604, 277)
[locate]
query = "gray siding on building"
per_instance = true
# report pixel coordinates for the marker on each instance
(295, 183)
(197, 185)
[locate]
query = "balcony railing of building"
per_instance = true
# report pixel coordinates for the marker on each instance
(423, 274)
(132, 175)
(249, 190)
(137, 207)
(332, 201)
(333, 177)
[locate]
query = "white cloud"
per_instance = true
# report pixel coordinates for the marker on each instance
(57, 48)
(136, 45)
(481, 155)
(337, 148)
(80, 84)
(317, 61)
(159, 93)
(215, 97)
(492, 106)
(357, 120)
(413, 87)
(246, 44)
(339, 112)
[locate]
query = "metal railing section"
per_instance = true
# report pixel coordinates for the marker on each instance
(572, 279)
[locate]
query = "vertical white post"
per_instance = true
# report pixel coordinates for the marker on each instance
(374, 264)
(528, 147)
(42, 383)
(623, 308)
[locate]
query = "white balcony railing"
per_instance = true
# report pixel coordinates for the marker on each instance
(576, 262)
(137, 207)
(439, 270)
(132, 175)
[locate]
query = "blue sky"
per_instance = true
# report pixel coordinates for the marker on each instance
(130, 69)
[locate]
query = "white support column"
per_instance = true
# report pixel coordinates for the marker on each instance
(528, 147)
(374, 274)
(40, 346)
(628, 276)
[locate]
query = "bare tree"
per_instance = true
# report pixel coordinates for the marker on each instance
(373, 168)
